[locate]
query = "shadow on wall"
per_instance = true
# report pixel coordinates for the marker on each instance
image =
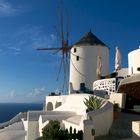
(57, 104)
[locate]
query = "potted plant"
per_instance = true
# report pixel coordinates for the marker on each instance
(93, 103)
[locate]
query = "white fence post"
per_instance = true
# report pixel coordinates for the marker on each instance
(88, 130)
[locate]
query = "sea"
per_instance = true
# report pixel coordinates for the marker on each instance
(9, 110)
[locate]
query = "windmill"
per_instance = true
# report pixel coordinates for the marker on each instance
(64, 49)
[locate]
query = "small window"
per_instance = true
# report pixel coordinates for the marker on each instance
(138, 69)
(74, 50)
(82, 87)
(77, 58)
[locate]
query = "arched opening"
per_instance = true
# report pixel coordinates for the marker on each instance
(49, 106)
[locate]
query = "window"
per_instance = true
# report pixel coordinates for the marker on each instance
(77, 58)
(82, 87)
(138, 69)
(74, 50)
(49, 106)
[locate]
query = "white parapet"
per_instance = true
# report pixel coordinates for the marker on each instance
(51, 101)
(73, 102)
(108, 85)
(88, 126)
(102, 119)
(136, 128)
(32, 133)
(123, 72)
(133, 62)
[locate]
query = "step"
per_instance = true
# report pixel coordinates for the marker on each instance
(121, 133)
(107, 137)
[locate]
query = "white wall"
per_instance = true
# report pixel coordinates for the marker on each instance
(33, 130)
(84, 70)
(102, 119)
(74, 102)
(54, 99)
(133, 61)
(136, 128)
(123, 72)
(41, 125)
(88, 126)
(25, 124)
(119, 98)
(108, 85)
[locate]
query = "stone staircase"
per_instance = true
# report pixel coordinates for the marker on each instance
(121, 127)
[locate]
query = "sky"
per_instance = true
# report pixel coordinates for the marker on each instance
(27, 75)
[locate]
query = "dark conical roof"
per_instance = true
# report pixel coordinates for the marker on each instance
(90, 39)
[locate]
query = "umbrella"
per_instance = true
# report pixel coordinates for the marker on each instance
(99, 67)
(118, 59)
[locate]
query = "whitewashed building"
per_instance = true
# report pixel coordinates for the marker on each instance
(83, 62)
(134, 62)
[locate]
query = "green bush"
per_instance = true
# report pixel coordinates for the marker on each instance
(52, 131)
(93, 103)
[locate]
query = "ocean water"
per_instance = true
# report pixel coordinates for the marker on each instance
(9, 110)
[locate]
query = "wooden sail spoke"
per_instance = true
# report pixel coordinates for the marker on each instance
(43, 49)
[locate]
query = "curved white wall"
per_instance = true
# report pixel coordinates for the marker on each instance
(102, 119)
(84, 70)
(134, 61)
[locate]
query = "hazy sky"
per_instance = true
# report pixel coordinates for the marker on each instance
(27, 75)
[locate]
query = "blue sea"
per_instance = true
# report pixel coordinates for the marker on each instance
(9, 110)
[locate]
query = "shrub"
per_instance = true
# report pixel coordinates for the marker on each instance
(52, 131)
(93, 103)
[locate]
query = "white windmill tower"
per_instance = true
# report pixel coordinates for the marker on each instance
(83, 63)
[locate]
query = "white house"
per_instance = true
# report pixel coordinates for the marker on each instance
(133, 62)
